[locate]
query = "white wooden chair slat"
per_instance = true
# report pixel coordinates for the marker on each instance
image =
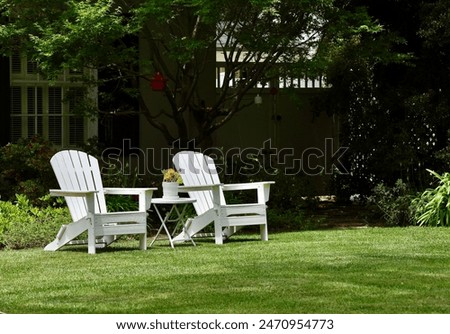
(202, 178)
(197, 169)
(74, 177)
(191, 177)
(64, 171)
(79, 178)
(98, 184)
(85, 174)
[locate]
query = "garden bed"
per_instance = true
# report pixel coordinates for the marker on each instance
(333, 215)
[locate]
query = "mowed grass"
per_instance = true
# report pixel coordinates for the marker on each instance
(369, 270)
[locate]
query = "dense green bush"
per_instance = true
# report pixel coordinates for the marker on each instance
(292, 192)
(23, 225)
(394, 203)
(116, 203)
(292, 220)
(432, 207)
(25, 169)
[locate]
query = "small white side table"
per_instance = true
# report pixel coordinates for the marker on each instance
(175, 204)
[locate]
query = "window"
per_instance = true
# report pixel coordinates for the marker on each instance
(16, 113)
(76, 122)
(48, 110)
(34, 111)
(55, 133)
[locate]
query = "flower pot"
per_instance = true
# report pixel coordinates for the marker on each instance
(170, 190)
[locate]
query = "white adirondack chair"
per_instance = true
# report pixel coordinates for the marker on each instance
(79, 178)
(202, 183)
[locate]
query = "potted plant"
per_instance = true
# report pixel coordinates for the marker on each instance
(171, 180)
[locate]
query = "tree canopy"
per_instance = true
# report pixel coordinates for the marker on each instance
(395, 115)
(261, 38)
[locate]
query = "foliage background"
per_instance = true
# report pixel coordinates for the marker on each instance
(395, 115)
(261, 40)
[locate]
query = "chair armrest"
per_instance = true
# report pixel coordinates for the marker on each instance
(262, 188)
(127, 191)
(185, 189)
(246, 186)
(87, 194)
(72, 193)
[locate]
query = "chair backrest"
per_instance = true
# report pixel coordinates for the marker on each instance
(76, 170)
(197, 169)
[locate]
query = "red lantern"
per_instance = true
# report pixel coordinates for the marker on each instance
(158, 83)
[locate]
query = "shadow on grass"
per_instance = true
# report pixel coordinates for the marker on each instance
(118, 246)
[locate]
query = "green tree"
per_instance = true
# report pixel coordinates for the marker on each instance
(395, 115)
(260, 40)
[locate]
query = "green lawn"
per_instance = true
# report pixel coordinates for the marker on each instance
(370, 270)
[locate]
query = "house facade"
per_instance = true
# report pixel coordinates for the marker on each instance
(32, 105)
(280, 121)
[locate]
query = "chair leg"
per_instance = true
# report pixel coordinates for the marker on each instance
(264, 232)
(91, 240)
(143, 241)
(218, 233)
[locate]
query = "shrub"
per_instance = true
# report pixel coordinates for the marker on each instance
(432, 207)
(393, 202)
(292, 220)
(7, 211)
(292, 192)
(116, 203)
(25, 169)
(23, 225)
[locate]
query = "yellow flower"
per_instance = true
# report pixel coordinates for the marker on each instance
(171, 175)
